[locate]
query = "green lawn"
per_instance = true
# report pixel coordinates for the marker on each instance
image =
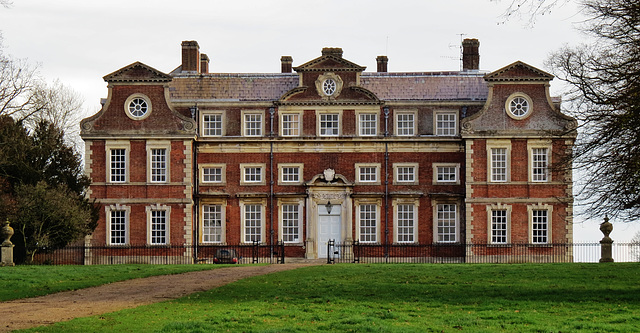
(31, 281)
(399, 298)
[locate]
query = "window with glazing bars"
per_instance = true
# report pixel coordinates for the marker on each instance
(118, 227)
(368, 223)
(291, 223)
(212, 223)
(118, 165)
(159, 165)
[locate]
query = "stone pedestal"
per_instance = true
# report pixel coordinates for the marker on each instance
(6, 248)
(606, 243)
(7, 255)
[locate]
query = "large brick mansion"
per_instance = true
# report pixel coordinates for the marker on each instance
(325, 150)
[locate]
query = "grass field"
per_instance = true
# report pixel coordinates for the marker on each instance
(399, 298)
(31, 281)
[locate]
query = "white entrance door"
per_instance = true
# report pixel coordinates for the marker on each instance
(329, 226)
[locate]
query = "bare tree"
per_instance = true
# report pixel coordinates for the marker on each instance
(26, 97)
(604, 95)
(18, 87)
(529, 10)
(60, 106)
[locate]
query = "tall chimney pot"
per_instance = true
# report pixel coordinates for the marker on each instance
(204, 64)
(470, 54)
(286, 64)
(333, 51)
(190, 56)
(382, 63)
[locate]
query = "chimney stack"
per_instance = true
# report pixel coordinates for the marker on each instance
(286, 64)
(190, 56)
(204, 64)
(332, 51)
(470, 54)
(382, 63)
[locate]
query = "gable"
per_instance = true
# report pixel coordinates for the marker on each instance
(137, 72)
(518, 71)
(518, 104)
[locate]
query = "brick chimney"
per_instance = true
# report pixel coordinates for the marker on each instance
(204, 64)
(286, 64)
(382, 63)
(190, 56)
(333, 51)
(470, 54)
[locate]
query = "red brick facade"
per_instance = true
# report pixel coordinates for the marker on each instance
(400, 158)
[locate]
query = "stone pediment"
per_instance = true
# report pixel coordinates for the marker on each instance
(518, 71)
(332, 61)
(137, 72)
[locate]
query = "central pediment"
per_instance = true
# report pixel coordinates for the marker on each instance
(331, 60)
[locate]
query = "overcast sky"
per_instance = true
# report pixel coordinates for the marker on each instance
(79, 42)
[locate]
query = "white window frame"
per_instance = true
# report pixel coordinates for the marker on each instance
(399, 170)
(251, 131)
(221, 230)
(320, 122)
(143, 98)
(492, 232)
(112, 145)
(405, 130)
(492, 176)
(534, 166)
(298, 203)
(399, 206)
(109, 216)
(283, 167)
(534, 224)
(203, 172)
(245, 167)
(252, 204)
(443, 222)
(222, 128)
(522, 98)
(442, 170)
(366, 223)
(360, 175)
(151, 164)
(445, 131)
(150, 223)
(363, 130)
(291, 131)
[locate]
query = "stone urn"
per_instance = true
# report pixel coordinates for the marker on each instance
(606, 227)
(5, 233)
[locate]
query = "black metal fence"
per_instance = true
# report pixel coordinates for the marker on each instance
(338, 253)
(164, 254)
(477, 253)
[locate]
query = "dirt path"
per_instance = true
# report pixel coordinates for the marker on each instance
(44, 310)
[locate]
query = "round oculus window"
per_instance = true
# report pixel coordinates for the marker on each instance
(138, 107)
(518, 106)
(329, 87)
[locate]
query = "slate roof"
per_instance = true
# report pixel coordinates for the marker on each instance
(433, 86)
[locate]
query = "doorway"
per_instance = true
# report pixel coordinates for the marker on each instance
(329, 227)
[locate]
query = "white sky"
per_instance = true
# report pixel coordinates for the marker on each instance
(79, 42)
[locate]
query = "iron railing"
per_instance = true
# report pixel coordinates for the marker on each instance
(100, 254)
(96, 254)
(476, 253)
